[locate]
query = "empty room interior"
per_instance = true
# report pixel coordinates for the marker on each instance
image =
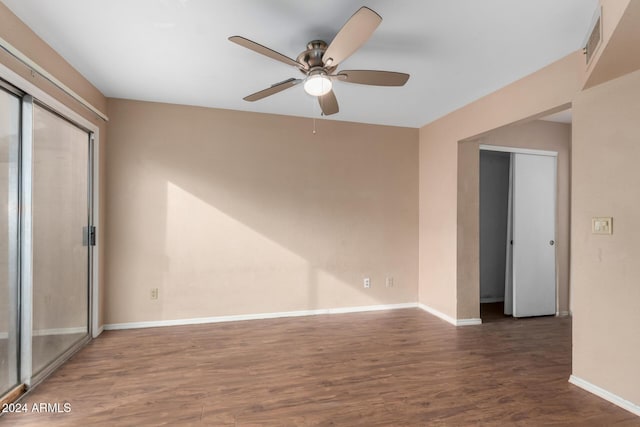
(248, 213)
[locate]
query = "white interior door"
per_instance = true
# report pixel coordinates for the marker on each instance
(534, 250)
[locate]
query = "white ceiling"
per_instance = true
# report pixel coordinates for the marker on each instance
(177, 50)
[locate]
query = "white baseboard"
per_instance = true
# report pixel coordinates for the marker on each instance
(606, 395)
(447, 318)
(469, 322)
(437, 313)
(260, 316)
(563, 314)
(491, 299)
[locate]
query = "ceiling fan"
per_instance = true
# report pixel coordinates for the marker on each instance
(320, 60)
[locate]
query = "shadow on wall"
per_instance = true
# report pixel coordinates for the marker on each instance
(233, 213)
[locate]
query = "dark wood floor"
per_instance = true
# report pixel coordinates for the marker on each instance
(494, 312)
(394, 368)
(45, 349)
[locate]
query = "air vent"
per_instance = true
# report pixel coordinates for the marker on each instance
(595, 37)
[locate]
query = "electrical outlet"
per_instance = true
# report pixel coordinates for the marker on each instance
(389, 282)
(367, 282)
(154, 293)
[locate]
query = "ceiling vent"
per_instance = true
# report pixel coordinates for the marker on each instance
(595, 36)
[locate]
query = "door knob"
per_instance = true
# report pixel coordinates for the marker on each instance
(551, 242)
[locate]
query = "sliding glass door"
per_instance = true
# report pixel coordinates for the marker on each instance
(9, 314)
(60, 215)
(46, 236)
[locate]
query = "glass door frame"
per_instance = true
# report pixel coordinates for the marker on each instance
(13, 246)
(32, 93)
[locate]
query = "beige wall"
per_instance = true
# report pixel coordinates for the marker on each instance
(21, 37)
(441, 235)
(539, 135)
(230, 212)
(603, 274)
(605, 268)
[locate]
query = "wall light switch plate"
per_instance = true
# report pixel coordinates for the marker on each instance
(602, 225)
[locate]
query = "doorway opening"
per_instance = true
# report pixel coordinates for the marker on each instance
(528, 136)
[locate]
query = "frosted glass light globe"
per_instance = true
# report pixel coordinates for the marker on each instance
(317, 85)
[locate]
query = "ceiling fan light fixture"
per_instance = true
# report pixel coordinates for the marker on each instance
(317, 84)
(320, 61)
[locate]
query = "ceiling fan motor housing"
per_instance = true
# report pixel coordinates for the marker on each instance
(312, 57)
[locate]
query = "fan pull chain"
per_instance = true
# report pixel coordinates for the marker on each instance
(314, 107)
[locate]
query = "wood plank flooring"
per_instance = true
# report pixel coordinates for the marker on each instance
(393, 368)
(494, 312)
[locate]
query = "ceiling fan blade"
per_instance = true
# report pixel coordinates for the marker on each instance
(328, 103)
(375, 78)
(351, 36)
(263, 50)
(275, 88)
